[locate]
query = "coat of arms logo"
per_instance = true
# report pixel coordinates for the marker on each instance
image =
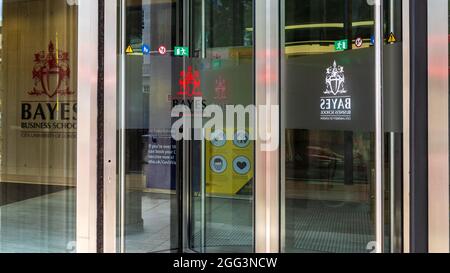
(335, 80)
(190, 83)
(221, 89)
(51, 73)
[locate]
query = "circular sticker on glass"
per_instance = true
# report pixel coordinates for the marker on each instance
(218, 164)
(218, 138)
(241, 165)
(241, 139)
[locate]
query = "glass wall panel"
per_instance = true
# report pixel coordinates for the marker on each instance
(329, 96)
(38, 125)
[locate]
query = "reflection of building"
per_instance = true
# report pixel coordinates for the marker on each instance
(86, 128)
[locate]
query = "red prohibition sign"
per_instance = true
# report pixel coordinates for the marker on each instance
(359, 42)
(162, 50)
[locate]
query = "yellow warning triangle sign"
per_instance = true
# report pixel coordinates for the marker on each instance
(392, 38)
(129, 50)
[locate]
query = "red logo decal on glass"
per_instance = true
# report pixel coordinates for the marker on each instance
(190, 83)
(51, 73)
(221, 89)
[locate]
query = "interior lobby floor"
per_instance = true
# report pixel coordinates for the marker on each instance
(47, 224)
(44, 224)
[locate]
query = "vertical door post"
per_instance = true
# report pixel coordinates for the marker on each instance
(267, 153)
(419, 127)
(110, 128)
(379, 126)
(86, 216)
(438, 127)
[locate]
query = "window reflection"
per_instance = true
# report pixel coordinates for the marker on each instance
(38, 120)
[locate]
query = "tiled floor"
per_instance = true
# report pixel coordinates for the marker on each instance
(156, 234)
(228, 225)
(41, 224)
(47, 224)
(327, 226)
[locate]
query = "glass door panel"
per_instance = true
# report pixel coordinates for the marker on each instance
(222, 180)
(329, 85)
(149, 214)
(180, 194)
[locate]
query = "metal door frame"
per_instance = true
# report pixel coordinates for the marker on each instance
(406, 121)
(112, 61)
(379, 130)
(267, 56)
(266, 93)
(269, 173)
(438, 127)
(86, 198)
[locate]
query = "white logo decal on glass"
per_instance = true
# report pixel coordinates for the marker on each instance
(335, 80)
(336, 104)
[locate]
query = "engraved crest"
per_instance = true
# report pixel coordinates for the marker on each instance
(335, 80)
(221, 88)
(51, 73)
(190, 83)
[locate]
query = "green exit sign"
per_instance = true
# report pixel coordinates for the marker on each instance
(181, 51)
(341, 45)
